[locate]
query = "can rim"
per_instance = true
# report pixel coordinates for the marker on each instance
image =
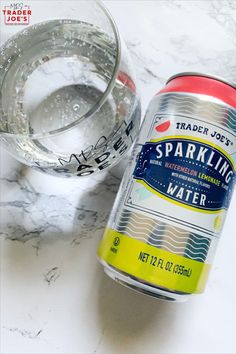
(210, 76)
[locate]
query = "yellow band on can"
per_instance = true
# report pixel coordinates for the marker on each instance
(153, 265)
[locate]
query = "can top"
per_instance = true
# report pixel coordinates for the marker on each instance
(204, 84)
(209, 76)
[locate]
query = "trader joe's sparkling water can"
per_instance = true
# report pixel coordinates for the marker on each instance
(172, 202)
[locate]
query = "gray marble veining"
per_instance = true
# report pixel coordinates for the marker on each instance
(54, 296)
(29, 214)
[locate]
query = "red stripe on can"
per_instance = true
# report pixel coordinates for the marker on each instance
(204, 86)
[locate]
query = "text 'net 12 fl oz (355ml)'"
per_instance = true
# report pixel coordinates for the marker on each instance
(171, 206)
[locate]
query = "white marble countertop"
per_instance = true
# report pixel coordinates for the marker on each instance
(54, 297)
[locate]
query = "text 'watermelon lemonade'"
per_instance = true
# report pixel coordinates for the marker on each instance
(171, 206)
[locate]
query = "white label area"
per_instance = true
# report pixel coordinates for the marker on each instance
(184, 172)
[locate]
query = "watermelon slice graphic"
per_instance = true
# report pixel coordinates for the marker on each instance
(162, 127)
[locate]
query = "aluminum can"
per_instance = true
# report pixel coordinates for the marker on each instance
(171, 206)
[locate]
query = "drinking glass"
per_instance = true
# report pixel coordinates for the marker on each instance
(68, 102)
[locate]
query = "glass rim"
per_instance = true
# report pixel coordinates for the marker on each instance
(99, 103)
